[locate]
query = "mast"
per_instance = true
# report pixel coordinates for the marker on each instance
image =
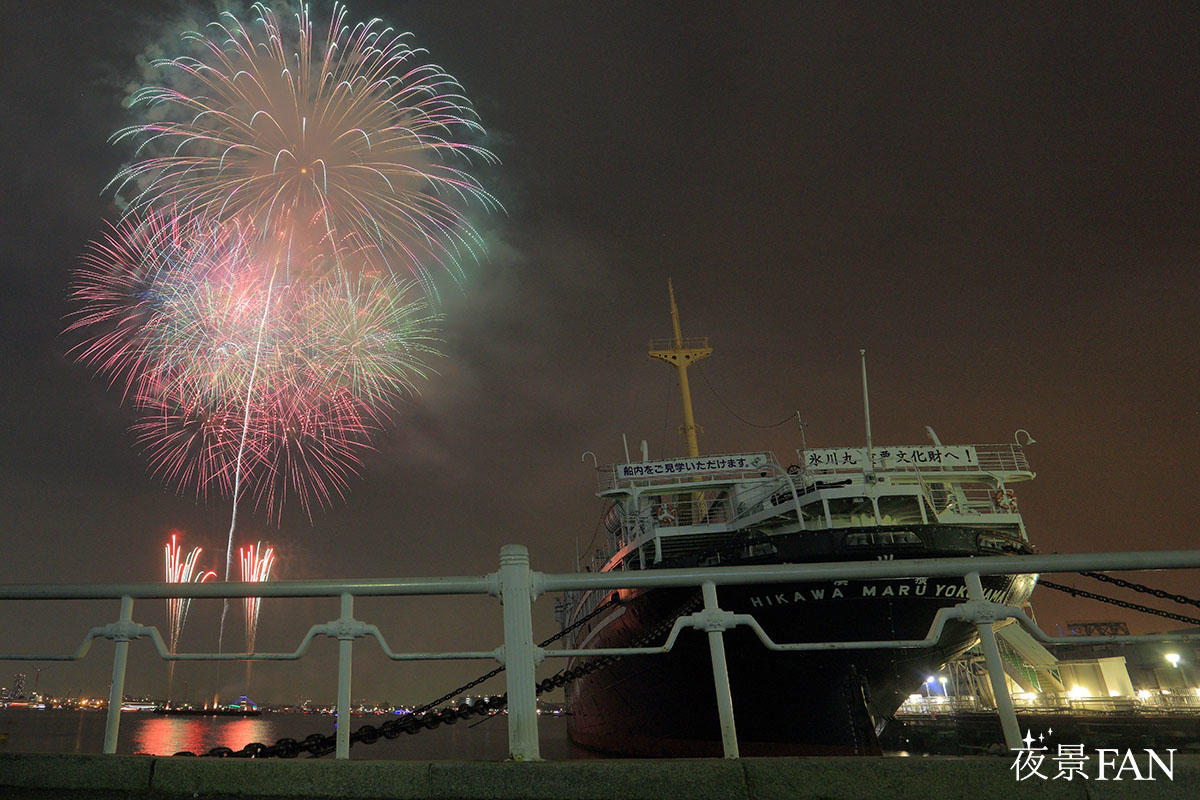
(681, 352)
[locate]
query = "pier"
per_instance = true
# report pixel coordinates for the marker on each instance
(47, 777)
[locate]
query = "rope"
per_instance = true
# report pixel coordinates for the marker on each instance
(737, 416)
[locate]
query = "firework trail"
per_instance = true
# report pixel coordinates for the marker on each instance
(257, 562)
(256, 568)
(180, 569)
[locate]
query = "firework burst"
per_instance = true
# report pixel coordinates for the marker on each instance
(264, 303)
(272, 121)
(299, 397)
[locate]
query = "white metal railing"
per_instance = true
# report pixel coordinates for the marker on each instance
(518, 586)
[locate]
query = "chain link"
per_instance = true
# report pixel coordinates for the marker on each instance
(319, 744)
(1071, 590)
(423, 718)
(1138, 587)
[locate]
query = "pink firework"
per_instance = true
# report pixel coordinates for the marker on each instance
(256, 568)
(181, 569)
(132, 285)
(243, 377)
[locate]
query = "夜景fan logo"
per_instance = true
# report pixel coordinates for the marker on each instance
(1071, 761)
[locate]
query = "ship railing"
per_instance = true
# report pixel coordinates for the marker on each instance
(971, 499)
(689, 510)
(691, 343)
(1002, 458)
(517, 586)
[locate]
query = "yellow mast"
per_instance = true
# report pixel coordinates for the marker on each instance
(681, 352)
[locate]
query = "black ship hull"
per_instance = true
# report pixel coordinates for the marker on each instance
(801, 703)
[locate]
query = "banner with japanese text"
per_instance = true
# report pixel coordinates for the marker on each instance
(903, 457)
(693, 466)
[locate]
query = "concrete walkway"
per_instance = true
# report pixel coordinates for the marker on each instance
(81, 777)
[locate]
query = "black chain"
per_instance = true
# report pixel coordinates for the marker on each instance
(1122, 603)
(320, 744)
(1137, 587)
(563, 677)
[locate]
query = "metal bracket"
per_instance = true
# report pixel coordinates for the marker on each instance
(713, 619)
(345, 629)
(539, 655)
(984, 611)
(122, 631)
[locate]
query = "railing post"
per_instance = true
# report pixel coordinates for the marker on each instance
(995, 666)
(716, 647)
(116, 694)
(516, 595)
(345, 643)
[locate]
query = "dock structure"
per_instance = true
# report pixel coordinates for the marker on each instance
(48, 777)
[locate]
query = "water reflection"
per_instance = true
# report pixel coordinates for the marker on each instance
(161, 735)
(65, 731)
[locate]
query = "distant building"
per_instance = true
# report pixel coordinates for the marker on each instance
(1112, 676)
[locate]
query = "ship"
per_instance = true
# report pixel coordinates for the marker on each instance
(242, 707)
(866, 502)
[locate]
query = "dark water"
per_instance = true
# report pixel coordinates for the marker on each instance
(484, 739)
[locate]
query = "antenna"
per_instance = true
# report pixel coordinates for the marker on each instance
(870, 468)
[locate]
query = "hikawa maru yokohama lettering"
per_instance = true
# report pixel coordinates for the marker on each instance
(843, 590)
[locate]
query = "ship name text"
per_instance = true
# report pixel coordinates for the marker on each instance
(840, 590)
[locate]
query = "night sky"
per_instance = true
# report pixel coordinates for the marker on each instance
(998, 201)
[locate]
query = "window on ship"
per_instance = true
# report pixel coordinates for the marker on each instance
(899, 509)
(813, 514)
(845, 512)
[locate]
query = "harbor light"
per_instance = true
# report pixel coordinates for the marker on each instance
(1173, 659)
(1078, 692)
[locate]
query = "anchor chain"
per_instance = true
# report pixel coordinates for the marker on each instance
(1071, 590)
(421, 718)
(565, 676)
(1138, 587)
